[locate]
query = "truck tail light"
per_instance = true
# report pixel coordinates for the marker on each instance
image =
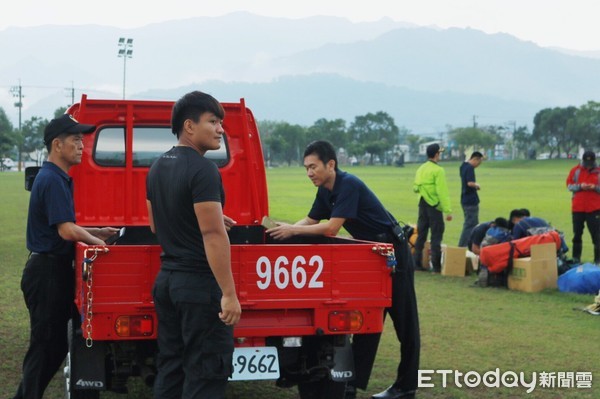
(134, 326)
(345, 320)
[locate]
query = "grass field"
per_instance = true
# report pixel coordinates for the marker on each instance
(463, 328)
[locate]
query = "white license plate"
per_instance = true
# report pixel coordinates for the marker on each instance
(260, 363)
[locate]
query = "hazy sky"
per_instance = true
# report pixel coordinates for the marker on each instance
(563, 23)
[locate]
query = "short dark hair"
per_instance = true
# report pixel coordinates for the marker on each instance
(191, 106)
(323, 150)
(61, 137)
(501, 222)
(517, 213)
(476, 154)
(433, 149)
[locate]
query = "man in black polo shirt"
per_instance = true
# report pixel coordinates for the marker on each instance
(48, 281)
(346, 201)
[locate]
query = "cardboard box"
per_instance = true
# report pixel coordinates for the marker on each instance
(454, 261)
(426, 254)
(537, 272)
(426, 260)
(472, 262)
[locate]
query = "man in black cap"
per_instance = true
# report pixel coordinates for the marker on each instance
(434, 201)
(48, 281)
(584, 182)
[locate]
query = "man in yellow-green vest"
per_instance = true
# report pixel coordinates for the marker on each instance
(434, 202)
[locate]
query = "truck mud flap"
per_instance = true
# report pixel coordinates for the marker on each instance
(86, 366)
(344, 362)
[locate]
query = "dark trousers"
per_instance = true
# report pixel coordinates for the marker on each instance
(429, 218)
(48, 288)
(404, 315)
(195, 347)
(471, 214)
(592, 219)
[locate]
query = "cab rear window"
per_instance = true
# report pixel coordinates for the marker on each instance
(148, 144)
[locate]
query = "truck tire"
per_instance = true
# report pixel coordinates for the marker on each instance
(71, 393)
(322, 389)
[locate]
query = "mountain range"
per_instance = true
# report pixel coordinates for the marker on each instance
(301, 70)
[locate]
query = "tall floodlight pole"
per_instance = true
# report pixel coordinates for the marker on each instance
(125, 51)
(17, 92)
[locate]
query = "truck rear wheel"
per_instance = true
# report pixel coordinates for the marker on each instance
(322, 389)
(71, 393)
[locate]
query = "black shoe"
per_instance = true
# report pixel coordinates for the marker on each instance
(350, 392)
(394, 393)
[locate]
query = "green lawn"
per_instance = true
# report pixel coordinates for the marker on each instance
(463, 328)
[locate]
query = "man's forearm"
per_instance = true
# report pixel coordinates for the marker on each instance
(218, 254)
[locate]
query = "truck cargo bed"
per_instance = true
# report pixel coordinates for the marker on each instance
(282, 286)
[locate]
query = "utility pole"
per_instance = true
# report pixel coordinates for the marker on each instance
(474, 121)
(72, 93)
(17, 92)
(514, 148)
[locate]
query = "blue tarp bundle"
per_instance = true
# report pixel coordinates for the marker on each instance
(582, 279)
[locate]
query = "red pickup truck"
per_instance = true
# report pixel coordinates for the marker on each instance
(301, 299)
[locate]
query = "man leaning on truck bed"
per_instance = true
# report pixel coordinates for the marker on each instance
(346, 201)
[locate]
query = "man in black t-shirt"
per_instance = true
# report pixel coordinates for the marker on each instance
(345, 201)
(469, 199)
(194, 292)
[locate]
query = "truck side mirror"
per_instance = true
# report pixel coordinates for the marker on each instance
(30, 174)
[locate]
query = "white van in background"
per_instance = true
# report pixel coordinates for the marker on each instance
(7, 164)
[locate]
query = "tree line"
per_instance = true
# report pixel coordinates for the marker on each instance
(374, 138)
(27, 143)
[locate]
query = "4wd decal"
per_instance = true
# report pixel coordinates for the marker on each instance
(89, 384)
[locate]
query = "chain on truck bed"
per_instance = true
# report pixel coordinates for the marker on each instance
(87, 276)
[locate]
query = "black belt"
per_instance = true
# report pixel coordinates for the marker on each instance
(49, 255)
(384, 237)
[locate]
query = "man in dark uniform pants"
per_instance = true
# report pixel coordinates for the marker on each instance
(347, 202)
(434, 201)
(194, 292)
(469, 199)
(48, 282)
(584, 182)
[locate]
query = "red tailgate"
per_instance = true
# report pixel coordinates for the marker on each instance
(284, 289)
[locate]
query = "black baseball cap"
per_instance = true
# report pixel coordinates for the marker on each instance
(588, 159)
(65, 124)
(433, 149)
